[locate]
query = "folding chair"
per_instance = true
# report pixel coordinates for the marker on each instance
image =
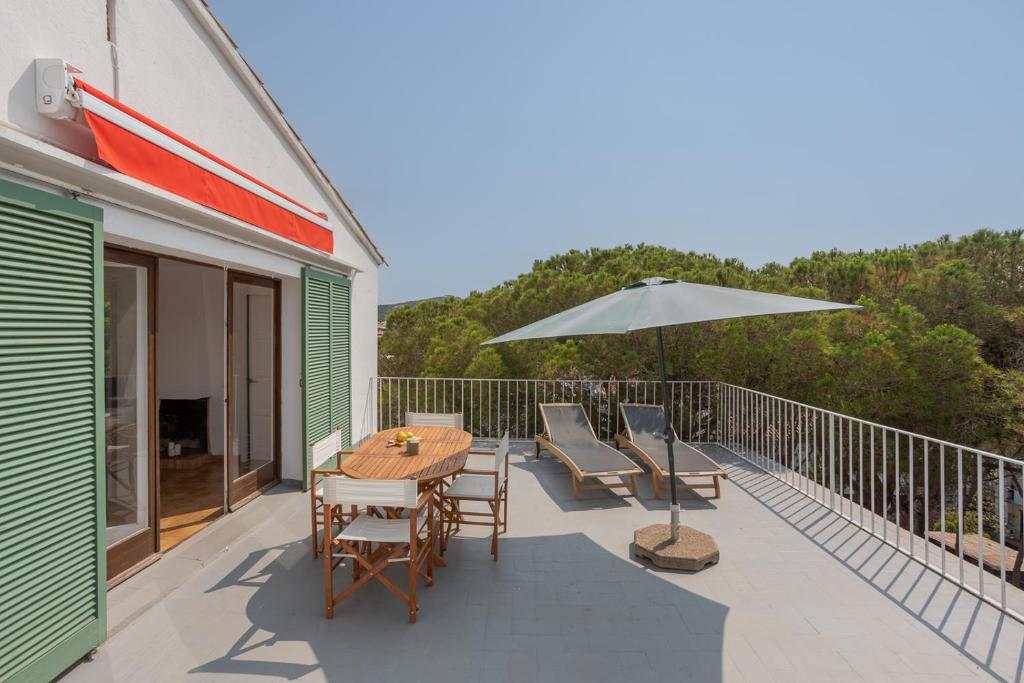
(433, 420)
(320, 453)
(488, 486)
(374, 543)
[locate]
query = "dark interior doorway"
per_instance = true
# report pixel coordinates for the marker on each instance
(191, 341)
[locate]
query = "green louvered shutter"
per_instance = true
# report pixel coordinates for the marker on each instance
(341, 386)
(326, 365)
(52, 557)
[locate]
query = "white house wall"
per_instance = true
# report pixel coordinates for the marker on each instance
(137, 230)
(172, 70)
(72, 29)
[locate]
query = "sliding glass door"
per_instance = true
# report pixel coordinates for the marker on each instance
(253, 386)
(128, 353)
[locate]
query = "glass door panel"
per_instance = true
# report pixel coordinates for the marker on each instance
(127, 318)
(252, 386)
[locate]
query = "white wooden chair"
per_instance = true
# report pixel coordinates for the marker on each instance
(433, 420)
(321, 453)
(487, 485)
(374, 543)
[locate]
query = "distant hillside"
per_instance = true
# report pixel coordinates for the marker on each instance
(384, 309)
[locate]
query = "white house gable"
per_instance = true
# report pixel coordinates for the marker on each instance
(170, 61)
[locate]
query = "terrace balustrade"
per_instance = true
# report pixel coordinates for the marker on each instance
(954, 508)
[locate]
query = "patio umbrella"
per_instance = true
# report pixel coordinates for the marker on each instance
(659, 302)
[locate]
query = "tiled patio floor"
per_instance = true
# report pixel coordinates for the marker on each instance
(799, 595)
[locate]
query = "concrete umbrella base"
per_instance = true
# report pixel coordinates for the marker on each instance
(692, 551)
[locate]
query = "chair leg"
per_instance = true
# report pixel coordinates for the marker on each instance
(450, 524)
(449, 518)
(654, 482)
(328, 568)
(442, 535)
(504, 508)
(495, 508)
(328, 585)
(413, 566)
(312, 510)
(575, 488)
(718, 488)
(632, 478)
(431, 531)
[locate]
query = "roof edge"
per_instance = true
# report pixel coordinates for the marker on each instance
(229, 48)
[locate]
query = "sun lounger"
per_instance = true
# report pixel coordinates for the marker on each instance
(644, 435)
(569, 435)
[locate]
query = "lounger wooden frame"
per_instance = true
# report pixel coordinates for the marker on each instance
(543, 442)
(659, 477)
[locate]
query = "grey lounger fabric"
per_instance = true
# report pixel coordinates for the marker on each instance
(646, 428)
(570, 430)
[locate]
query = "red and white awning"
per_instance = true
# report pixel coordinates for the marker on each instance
(143, 149)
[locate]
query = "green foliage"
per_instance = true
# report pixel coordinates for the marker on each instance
(939, 348)
(970, 523)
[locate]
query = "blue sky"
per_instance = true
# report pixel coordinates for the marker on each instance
(472, 138)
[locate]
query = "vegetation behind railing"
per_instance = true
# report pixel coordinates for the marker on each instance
(491, 406)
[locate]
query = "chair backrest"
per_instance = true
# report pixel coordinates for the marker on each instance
(433, 420)
(322, 450)
(567, 423)
(643, 419)
(398, 493)
(500, 456)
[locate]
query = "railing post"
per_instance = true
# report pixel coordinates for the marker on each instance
(832, 460)
(719, 414)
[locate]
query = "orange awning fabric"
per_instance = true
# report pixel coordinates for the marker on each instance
(143, 149)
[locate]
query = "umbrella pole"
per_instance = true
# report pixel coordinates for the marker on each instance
(669, 438)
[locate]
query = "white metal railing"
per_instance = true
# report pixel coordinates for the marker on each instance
(490, 406)
(912, 491)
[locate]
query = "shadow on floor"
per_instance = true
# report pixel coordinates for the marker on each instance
(935, 603)
(554, 608)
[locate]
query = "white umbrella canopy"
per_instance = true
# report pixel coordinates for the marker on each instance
(658, 302)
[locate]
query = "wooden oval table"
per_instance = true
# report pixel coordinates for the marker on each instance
(443, 452)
